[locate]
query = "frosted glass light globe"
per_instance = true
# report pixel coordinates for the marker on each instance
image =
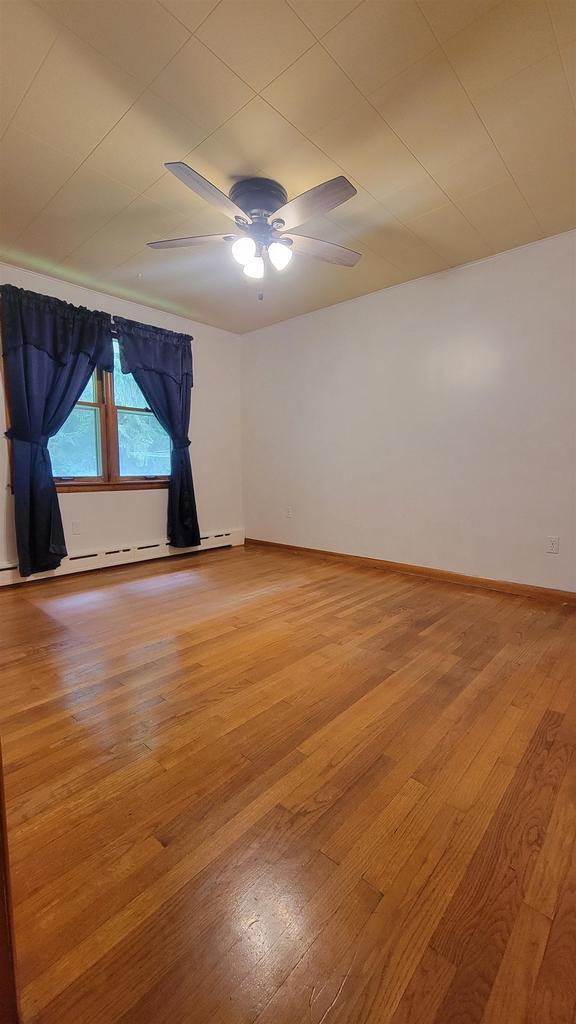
(243, 250)
(280, 255)
(255, 267)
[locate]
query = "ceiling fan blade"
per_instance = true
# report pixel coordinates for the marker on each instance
(314, 202)
(181, 243)
(329, 252)
(206, 190)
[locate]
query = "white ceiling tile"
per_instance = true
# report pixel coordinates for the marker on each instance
(169, 191)
(31, 172)
(368, 222)
(568, 56)
(298, 167)
(501, 215)
(369, 150)
(191, 13)
(81, 207)
(100, 255)
(563, 14)
(322, 15)
(429, 110)
(26, 35)
(532, 121)
(327, 228)
(243, 144)
(141, 222)
(313, 92)
(126, 234)
(418, 261)
(258, 39)
(447, 231)
(446, 17)
(138, 37)
(200, 87)
(151, 133)
(415, 200)
(481, 168)
(379, 40)
(76, 97)
(508, 38)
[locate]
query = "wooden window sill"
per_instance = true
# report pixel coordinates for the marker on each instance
(70, 487)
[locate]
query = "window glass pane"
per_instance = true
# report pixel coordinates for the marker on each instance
(75, 451)
(89, 393)
(126, 390)
(144, 445)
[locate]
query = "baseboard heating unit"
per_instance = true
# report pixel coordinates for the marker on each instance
(83, 561)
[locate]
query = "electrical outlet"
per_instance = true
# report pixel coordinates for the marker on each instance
(76, 527)
(289, 512)
(553, 545)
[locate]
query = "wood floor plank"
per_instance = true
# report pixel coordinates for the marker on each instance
(259, 787)
(425, 990)
(473, 934)
(510, 996)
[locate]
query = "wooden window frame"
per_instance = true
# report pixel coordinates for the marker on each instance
(110, 478)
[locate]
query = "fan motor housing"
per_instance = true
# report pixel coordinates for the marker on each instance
(258, 195)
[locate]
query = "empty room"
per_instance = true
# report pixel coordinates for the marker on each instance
(288, 512)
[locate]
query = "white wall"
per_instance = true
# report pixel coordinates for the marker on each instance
(118, 519)
(432, 423)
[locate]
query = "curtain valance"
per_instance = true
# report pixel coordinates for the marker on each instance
(143, 347)
(55, 327)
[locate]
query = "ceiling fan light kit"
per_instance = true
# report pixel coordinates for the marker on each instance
(279, 254)
(265, 220)
(255, 268)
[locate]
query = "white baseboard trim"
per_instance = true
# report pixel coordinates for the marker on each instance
(84, 561)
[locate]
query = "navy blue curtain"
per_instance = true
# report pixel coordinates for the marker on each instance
(50, 350)
(161, 363)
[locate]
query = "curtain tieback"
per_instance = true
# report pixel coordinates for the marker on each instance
(181, 444)
(41, 441)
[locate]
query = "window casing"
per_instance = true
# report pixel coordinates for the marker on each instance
(111, 440)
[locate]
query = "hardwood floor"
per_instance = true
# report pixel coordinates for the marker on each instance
(256, 786)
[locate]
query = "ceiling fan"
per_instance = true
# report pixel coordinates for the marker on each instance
(264, 220)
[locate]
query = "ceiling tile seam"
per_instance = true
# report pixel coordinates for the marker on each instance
(427, 173)
(63, 26)
(176, 18)
(392, 216)
(61, 30)
(344, 170)
(257, 92)
(221, 59)
(336, 163)
(478, 17)
(564, 68)
(339, 22)
(452, 201)
(483, 122)
(88, 238)
(142, 194)
(507, 78)
(31, 82)
(138, 194)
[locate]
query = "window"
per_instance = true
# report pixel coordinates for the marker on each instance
(111, 439)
